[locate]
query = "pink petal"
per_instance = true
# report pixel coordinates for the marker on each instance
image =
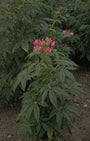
(64, 31)
(53, 44)
(48, 39)
(71, 33)
(36, 42)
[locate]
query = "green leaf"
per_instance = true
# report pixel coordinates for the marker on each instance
(29, 111)
(50, 132)
(69, 75)
(23, 84)
(71, 109)
(59, 117)
(45, 126)
(44, 95)
(62, 76)
(44, 104)
(17, 82)
(29, 56)
(68, 128)
(26, 111)
(52, 113)
(80, 90)
(36, 112)
(38, 69)
(33, 137)
(16, 46)
(68, 117)
(60, 92)
(21, 78)
(77, 93)
(25, 46)
(53, 98)
(38, 128)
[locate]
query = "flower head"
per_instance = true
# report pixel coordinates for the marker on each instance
(64, 31)
(71, 33)
(46, 45)
(67, 33)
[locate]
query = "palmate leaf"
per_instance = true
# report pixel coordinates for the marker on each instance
(25, 75)
(21, 78)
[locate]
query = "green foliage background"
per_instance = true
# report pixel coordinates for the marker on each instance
(75, 16)
(23, 21)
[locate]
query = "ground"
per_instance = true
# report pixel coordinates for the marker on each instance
(82, 133)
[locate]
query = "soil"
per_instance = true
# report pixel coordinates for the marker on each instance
(82, 133)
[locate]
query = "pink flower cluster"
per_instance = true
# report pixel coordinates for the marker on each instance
(67, 33)
(46, 45)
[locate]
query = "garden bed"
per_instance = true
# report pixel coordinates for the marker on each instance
(82, 133)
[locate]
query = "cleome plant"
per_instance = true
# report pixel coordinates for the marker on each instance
(23, 21)
(49, 87)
